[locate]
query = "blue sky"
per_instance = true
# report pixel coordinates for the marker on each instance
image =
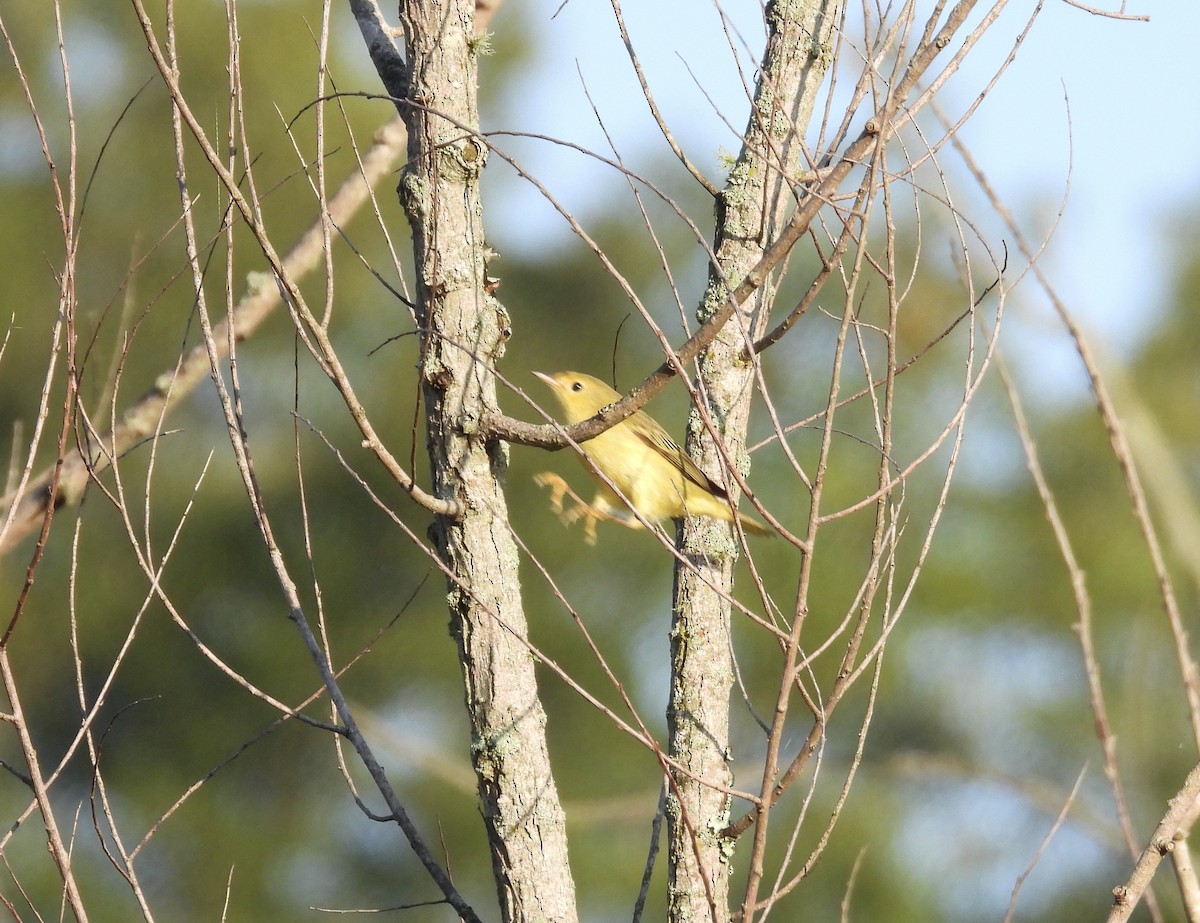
(1132, 120)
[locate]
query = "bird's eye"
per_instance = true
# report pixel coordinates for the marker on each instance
(578, 386)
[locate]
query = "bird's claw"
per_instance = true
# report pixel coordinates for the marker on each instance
(581, 509)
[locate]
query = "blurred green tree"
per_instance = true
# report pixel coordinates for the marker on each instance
(980, 722)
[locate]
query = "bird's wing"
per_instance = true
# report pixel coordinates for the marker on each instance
(650, 432)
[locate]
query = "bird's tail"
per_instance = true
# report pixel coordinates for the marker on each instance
(754, 526)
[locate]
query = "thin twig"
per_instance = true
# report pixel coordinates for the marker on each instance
(1044, 845)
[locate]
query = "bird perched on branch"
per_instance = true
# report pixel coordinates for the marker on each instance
(648, 467)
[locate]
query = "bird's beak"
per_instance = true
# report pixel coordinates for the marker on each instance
(547, 379)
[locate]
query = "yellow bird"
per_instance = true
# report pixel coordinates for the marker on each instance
(648, 467)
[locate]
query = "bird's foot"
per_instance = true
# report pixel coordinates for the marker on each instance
(581, 509)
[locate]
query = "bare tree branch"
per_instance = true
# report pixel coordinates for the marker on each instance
(26, 506)
(1181, 815)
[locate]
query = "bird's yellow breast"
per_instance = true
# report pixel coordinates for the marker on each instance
(654, 486)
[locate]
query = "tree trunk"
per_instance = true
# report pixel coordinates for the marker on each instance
(464, 330)
(754, 205)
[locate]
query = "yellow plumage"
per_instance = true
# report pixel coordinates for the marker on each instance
(648, 467)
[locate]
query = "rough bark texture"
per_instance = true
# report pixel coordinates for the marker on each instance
(464, 333)
(755, 202)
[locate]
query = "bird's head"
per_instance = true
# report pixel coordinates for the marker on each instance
(580, 396)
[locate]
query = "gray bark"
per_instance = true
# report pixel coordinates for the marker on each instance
(753, 208)
(464, 334)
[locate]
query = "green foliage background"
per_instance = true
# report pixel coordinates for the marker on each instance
(983, 722)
